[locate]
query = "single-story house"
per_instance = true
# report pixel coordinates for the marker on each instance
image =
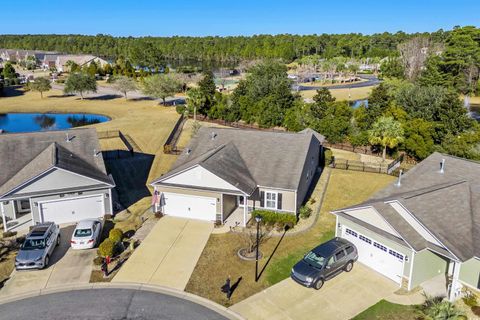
(80, 59)
(49, 61)
(54, 176)
(225, 173)
(424, 226)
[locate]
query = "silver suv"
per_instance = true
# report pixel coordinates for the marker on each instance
(38, 247)
(325, 262)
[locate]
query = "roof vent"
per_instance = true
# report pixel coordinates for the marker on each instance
(399, 181)
(442, 166)
(95, 153)
(213, 135)
(67, 138)
(188, 151)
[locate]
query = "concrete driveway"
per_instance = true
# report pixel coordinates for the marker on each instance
(342, 297)
(168, 255)
(67, 266)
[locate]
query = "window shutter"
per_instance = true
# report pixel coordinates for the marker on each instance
(279, 201)
(262, 199)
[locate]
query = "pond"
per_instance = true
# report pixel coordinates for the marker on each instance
(30, 122)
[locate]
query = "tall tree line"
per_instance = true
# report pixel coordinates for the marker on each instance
(147, 51)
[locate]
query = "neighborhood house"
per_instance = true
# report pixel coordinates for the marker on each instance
(424, 229)
(56, 176)
(225, 173)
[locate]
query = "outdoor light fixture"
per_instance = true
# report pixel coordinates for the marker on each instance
(106, 195)
(35, 204)
(62, 195)
(5, 202)
(258, 219)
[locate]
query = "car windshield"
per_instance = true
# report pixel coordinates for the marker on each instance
(83, 232)
(314, 260)
(33, 244)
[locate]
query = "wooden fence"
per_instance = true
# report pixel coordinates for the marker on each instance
(170, 146)
(131, 145)
(239, 125)
(392, 169)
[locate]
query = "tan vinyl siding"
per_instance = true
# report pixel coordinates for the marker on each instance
(194, 192)
(427, 265)
(288, 199)
(470, 273)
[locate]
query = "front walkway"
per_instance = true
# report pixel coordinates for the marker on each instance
(168, 254)
(342, 297)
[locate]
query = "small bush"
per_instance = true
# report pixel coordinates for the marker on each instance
(328, 156)
(106, 248)
(98, 261)
(470, 299)
(305, 212)
(116, 235)
(180, 109)
(273, 218)
(8, 234)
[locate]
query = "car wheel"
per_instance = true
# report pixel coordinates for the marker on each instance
(318, 285)
(349, 266)
(58, 240)
(47, 261)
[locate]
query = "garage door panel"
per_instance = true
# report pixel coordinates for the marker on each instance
(72, 210)
(192, 207)
(376, 255)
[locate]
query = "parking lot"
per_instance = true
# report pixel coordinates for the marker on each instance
(67, 266)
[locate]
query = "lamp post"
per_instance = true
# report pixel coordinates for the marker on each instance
(258, 219)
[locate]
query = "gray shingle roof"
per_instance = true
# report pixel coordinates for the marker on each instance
(447, 204)
(250, 157)
(26, 155)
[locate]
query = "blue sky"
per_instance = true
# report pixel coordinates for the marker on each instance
(230, 17)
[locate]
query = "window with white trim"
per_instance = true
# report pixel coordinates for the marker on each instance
(271, 199)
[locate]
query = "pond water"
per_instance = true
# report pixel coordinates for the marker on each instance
(358, 103)
(30, 122)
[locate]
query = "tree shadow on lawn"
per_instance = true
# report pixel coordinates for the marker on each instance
(104, 97)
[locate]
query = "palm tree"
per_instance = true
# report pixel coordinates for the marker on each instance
(386, 132)
(195, 99)
(438, 309)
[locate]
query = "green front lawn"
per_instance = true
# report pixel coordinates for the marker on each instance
(387, 310)
(219, 258)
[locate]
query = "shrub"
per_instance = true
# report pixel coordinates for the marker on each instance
(180, 109)
(116, 235)
(8, 234)
(305, 212)
(271, 218)
(328, 156)
(470, 299)
(106, 248)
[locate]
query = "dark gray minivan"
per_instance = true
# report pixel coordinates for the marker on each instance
(325, 262)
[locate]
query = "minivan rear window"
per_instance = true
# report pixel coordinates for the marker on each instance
(83, 232)
(349, 249)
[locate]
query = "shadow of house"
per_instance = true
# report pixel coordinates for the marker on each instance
(130, 174)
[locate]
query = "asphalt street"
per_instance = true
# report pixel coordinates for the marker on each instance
(108, 304)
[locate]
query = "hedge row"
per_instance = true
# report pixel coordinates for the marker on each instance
(273, 217)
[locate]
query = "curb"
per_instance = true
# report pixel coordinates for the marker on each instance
(129, 285)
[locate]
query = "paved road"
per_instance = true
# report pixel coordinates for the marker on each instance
(109, 93)
(118, 304)
(371, 81)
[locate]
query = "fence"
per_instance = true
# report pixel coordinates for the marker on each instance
(170, 146)
(392, 169)
(238, 125)
(131, 145)
(348, 147)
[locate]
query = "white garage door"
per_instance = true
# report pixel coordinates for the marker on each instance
(376, 255)
(187, 206)
(72, 210)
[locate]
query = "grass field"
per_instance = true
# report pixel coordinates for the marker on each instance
(387, 310)
(219, 258)
(342, 94)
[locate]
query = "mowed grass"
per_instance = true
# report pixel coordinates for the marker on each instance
(342, 94)
(387, 310)
(219, 258)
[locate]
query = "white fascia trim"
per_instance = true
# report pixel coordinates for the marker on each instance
(28, 181)
(198, 188)
(274, 188)
(398, 233)
(425, 227)
(350, 209)
(81, 175)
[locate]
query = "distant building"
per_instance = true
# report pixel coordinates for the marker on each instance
(81, 60)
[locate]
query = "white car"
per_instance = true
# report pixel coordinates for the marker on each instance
(86, 234)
